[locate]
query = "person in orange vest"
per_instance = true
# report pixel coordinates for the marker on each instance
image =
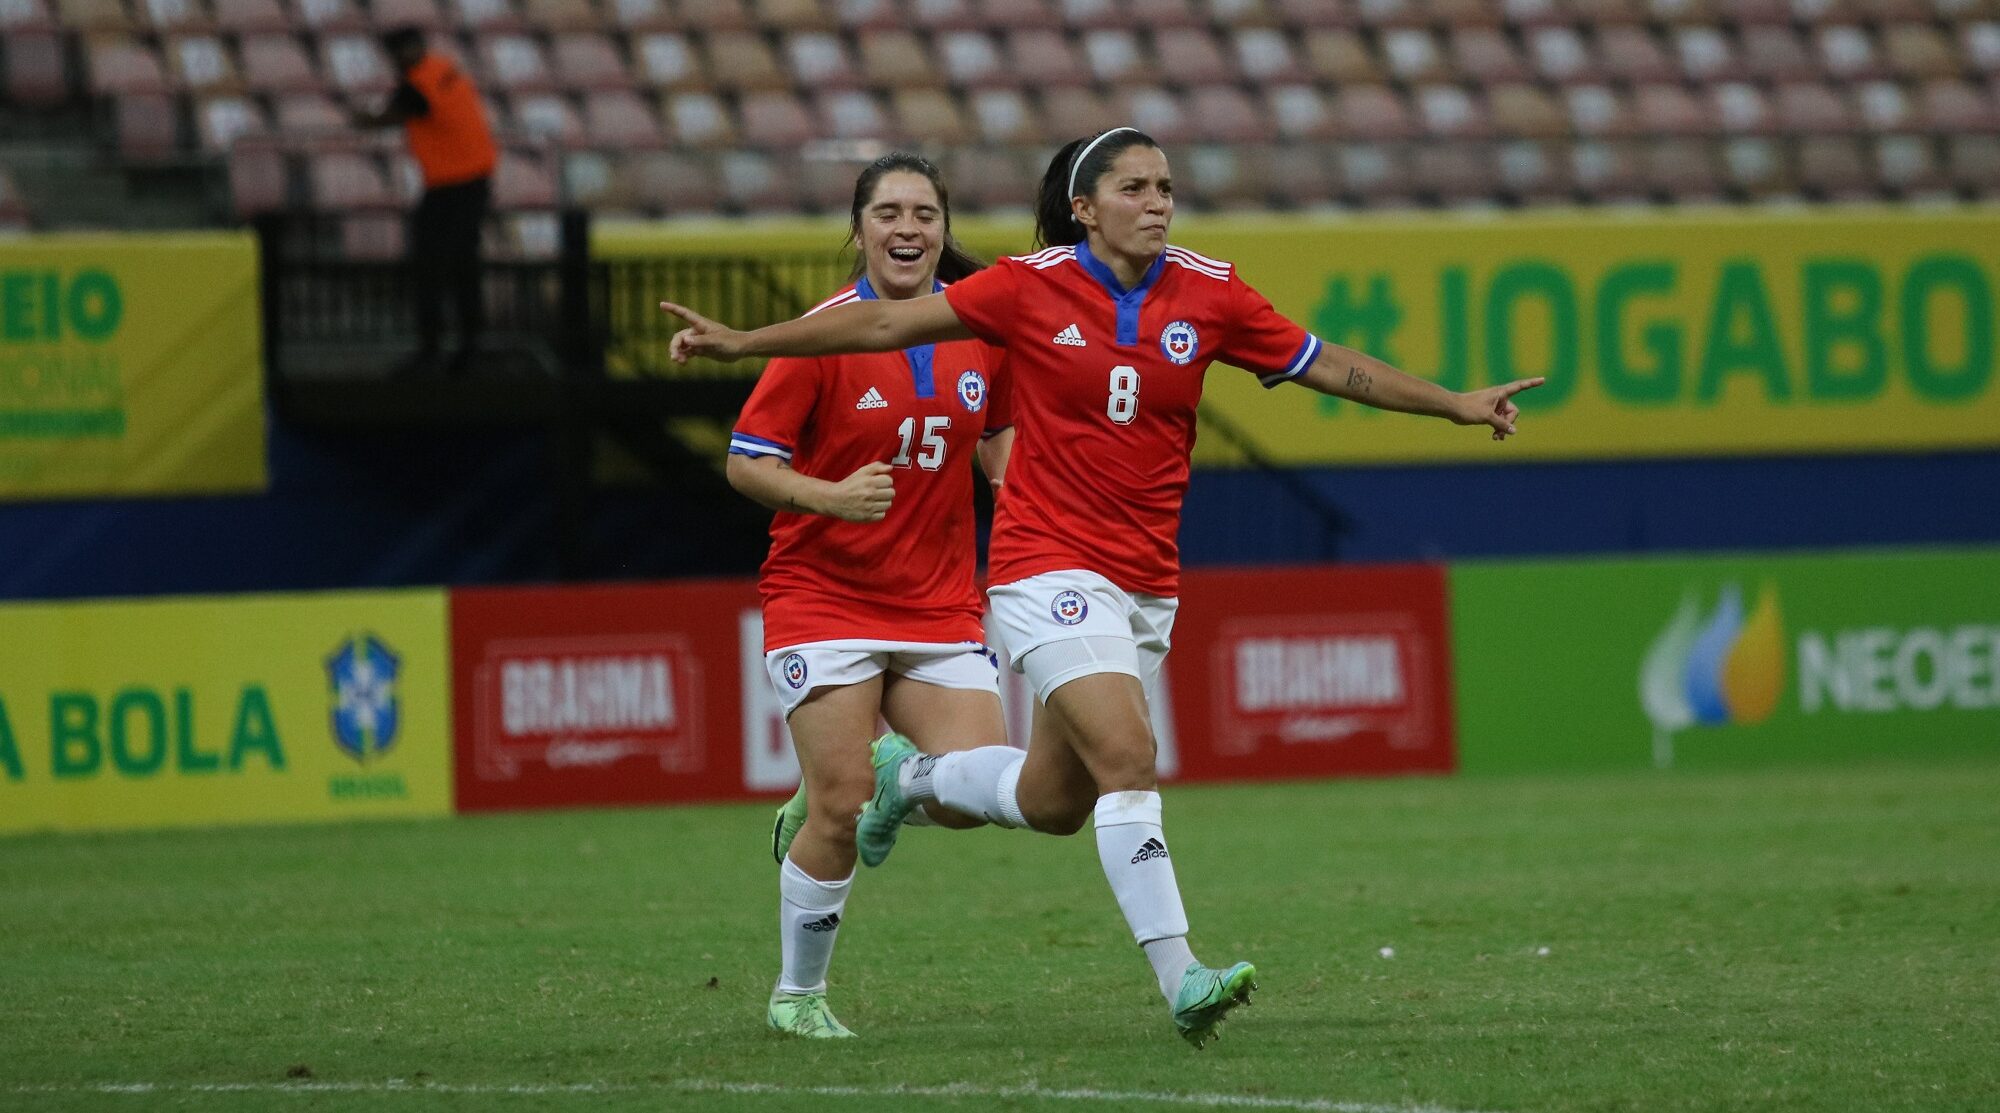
(438, 107)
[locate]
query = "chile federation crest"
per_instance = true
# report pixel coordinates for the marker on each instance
(1179, 343)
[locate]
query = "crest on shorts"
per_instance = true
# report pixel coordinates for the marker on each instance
(1069, 608)
(1179, 342)
(794, 667)
(972, 390)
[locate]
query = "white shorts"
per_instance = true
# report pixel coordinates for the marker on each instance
(1059, 626)
(797, 669)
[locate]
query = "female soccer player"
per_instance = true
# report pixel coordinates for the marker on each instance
(1108, 332)
(870, 608)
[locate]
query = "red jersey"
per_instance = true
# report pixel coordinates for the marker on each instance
(909, 577)
(1106, 384)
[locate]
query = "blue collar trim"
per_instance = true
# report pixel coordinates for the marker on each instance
(920, 357)
(1128, 302)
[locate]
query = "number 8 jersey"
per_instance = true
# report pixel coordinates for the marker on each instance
(1106, 381)
(909, 577)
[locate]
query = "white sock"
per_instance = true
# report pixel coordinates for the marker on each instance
(1170, 958)
(808, 920)
(1133, 850)
(979, 782)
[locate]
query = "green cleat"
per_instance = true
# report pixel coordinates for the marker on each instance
(791, 817)
(882, 817)
(805, 1014)
(1206, 996)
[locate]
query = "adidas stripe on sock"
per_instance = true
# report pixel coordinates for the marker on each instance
(808, 920)
(1132, 847)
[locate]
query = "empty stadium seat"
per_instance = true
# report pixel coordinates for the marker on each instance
(895, 59)
(665, 60)
(221, 121)
(741, 60)
(1004, 116)
(1317, 13)
(1606, 171)
(95, 15)
(1598, 110)
(1074, 112)
(1190, 56)
(1706, 54)
(1413, 55)
(1531, 173)
(819, 60)
(1741, 108)
(1300, 112)
(588, 60)
(716, 15)
(524, 180)
(1908, 165)
(251, 17)
(1299, 174)
(642, 15)
(1561, 55)
(1221, 176)
(373, 236)
(700, 120)
(1834, 169)
(869, 15)
(1226, 114)
(547, 116)
(1373, 175)
(425, 15)
(1683, 170)
(36, 67)
(753, 182)
(1528, 112)
(169, 16)
(1265, 55)
(619, 119)
(1757, 169)
(1339, 55)
(969, 59)
(1043, 57)
(1449, 112)
(1809, 108)
(514, 63)
(1453, 173)
(989, 178)
(1115, 56)
(309, 114)
(1632, 54)
(1372, 112)
(562, 15)
(1973, 163)
(775, 119)
(1487, 56)
(278, 64)
(484, 15)
(852, 114)
(356, 64)
(18, 16)
(930, 116)
(342, 181)
(148, 127)
(1666, 110)
(122, 67)
(671, 183)
(330, 16)
(258, 180)
(792, 15)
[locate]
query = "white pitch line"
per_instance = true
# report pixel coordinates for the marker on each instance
(696, 1085)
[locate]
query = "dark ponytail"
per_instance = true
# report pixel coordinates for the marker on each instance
(954, 262)
(1055, 220)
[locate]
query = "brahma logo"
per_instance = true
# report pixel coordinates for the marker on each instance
(1179, 343)
(361, 674)
(972, 390)
(1723, 669)
(1320, 680)
(587, 702)
(1069, 608)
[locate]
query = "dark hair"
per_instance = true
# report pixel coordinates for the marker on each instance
(954, 262)
(1055, 221)
(396, 38)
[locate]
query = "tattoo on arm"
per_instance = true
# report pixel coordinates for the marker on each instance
(1357, 380)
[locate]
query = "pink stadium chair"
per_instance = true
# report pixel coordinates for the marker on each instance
(251, 17)
(1973, 163)
(1741, 108)
(1242, 14)
(1157, 15)
(355, 64)
(1391, 13)
(852, 114)
(278, 64)
(819, 60)
(1413, 55)
(1908, 165)
(1157, 112)
(1561, 55)
(665, 60)
(1043, 58)
(19, 16)
(345, 181)
(774, 119)
(1834, 169)
(869, 15)
(329, 16)
(562, 15)
(929, 116)
(1004, 116)
(547, 116)
(514, 63)
(1453, 173)
(374, 237)
(1809, 108)
(1957, 107)
(1301, 175)
(1487, 56)
(422, 14)
(985, 178)
(1776, 54)
(671, 183)
(1848, 54)
(1341, 57)
(524, 181)
(1091, 15)
(1374, 175)
(717, 15)
(1191, 56)
(1372, 112)
(1757, 169)
(970, 60)
(1633, 55)
(1526, 111)
(309, 114)
(1016, 14)
(1309, 14)
(1669, 110)
(1265, 55)
(201, 64)
(1979, 44)
(1226, 114)
(595, 180)
(1227, 177)
(1073, 112)
(1706, 54)
(168, 16)
(1531, 173)
(895, 59)
(1300, 112)
(95, 15)
(700, 120)
(619, 120)
(221, 121)
(485, 15)
(1115, 56)
(148, 128)
(259, 181)
(589, 60)
(792, 15)
(1449, 112)
(1531, 14)
(36, 67)
(827, 185)
(1684, 170)
(741, 60)
(1610, 13)
(642, 15)
(1884, 107)
(1919, 52)
(755, 183)
(943, 15)
(1599, 110)
(1606, 171)
(119, 67)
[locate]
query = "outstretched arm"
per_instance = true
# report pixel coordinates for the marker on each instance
(858, 326)
(1360, 377)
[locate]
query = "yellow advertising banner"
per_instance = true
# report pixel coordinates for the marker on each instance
(1661, 334)
(188, 712)
(130, 365)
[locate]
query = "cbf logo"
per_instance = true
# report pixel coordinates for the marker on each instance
(1180, 342)
(361, 676)
(1069, 608)
(972, 390)
(795, 671)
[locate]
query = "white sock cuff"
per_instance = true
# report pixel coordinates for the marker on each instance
(1116, 809)
(1007, 794)
(806, 891)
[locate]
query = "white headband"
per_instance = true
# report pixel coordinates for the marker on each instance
(1077, 163)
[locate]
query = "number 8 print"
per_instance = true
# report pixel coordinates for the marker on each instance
(1124, 404)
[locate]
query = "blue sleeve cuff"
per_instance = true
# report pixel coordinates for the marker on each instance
(743, 444)
(1300, 364)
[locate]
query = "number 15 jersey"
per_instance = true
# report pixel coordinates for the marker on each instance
(1106, 381)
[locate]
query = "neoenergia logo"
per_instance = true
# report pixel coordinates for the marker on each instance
(1714, 671)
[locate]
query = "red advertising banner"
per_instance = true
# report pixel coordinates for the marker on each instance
(658, 693)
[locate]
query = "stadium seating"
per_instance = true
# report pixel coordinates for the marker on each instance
(673, 106)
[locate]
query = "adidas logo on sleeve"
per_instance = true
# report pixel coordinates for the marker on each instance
(1151, 848)
(872, 400)
(1070, 337)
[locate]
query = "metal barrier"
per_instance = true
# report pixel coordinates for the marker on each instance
(740, 291)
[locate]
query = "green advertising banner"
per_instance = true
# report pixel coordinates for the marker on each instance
(1727, 661)
(130, 365)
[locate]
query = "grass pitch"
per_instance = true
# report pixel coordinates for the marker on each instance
(1823, 940)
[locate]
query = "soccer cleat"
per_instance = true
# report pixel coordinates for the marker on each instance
(882, 817)
(806, 1015)
(1206, 996)
(791, 817)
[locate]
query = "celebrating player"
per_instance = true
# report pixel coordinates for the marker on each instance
(1108, 332)
(869, 602)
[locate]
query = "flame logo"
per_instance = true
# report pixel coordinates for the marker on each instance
(1725, 669)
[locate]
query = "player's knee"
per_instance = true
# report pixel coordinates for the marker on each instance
(1131, 765)
(1064, 815)
(835, 805)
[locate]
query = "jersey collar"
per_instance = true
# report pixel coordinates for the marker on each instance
(1127, 301)
(920, 357)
